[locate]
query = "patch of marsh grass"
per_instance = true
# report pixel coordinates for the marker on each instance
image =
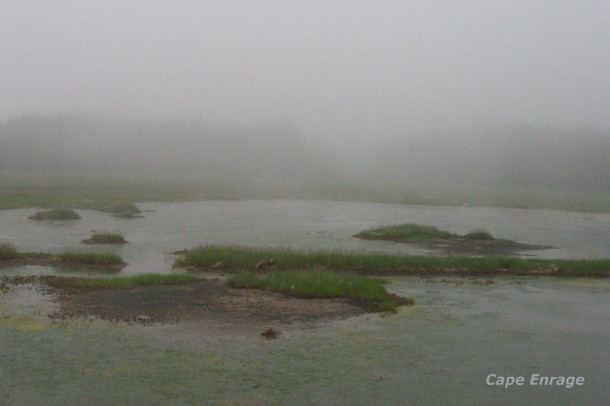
(56, 214)
(285, 259)
(314, 284)
(8, 252)
(119, 209)
(404, 233)
(479, 234)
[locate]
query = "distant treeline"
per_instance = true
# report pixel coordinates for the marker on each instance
(103, 145)
(501, 158)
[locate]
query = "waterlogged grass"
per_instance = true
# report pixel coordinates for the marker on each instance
(8, 252)
(479, 235)
(105, 239)
(10, 256)
(404, 233)
(322, 285)
(56, 214)
(122, 283)
(413, 233)
(284, 259)
(121, 209)
(312, 284)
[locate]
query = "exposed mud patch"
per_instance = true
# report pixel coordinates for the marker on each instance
(202, 301)
(465, 246)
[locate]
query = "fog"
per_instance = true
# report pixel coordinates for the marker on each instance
(343, 93)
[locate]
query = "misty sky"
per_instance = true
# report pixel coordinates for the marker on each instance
(337, 70)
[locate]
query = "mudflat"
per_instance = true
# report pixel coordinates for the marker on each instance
(204, 300)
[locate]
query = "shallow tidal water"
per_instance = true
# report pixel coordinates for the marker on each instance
(437, 352)
(302, 225)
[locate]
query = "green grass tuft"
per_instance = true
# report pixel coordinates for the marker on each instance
(284, 259)
(386, 306)
(124, 209)
(313, 284)
(8, 252)
(56, 214)
(479, 235)
(404, 233)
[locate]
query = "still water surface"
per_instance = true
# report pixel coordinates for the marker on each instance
(303, 225)
(436, 352)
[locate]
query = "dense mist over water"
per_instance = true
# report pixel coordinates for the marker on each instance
(353, 98)
(280, 157)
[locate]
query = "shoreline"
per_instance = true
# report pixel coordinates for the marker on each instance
(58, 260)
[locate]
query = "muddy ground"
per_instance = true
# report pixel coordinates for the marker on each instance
(205, 301)
(486, 248)
(468, 247)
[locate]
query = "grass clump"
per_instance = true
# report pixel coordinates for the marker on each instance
(479, 234)
(56, 214)
(379, 264)
(105, 239)
(404, 233)
(9, 255)
(390, 305)
(123, 282)
(120, 209)
(313, 284)
(412, 233)
(8, 252)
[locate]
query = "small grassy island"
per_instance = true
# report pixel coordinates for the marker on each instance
(368, 292)
(10, 256)
(119, 209)
(414, 233)
(476, 242)
(282, 298)
(409, 233)
(55, 214)
(242, 258)
(99, 238)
